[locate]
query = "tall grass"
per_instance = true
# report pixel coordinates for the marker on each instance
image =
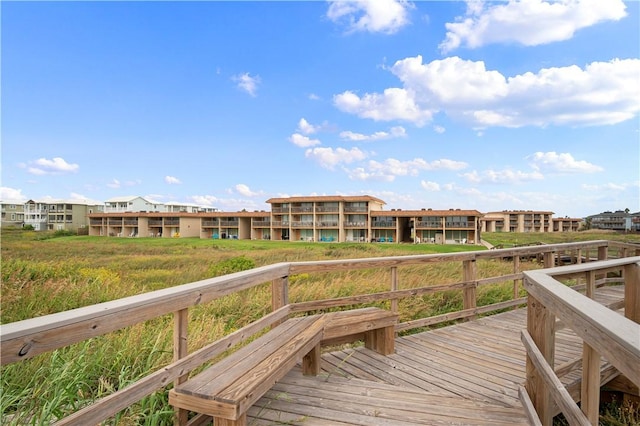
(46, 275)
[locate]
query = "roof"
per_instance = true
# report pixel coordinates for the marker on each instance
(426, 212)
(325, 198)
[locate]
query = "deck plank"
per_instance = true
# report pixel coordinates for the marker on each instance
(463, 374)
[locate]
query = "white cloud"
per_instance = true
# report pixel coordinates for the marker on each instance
(313, 97)
(390, 168)
(171, 180)
(246, 83)
(11, 194)
(307, 128)
(439, 129)
(303, 141)
(502, 176)
(114, 184)
(430, 186)
(204, 200)
(606, 187)
(56, 166)
(393, 104)
(244, 190)
(384, 16)
(329, 157)
(527, 22)
(561, 163)
(394, 132)
(598, 94)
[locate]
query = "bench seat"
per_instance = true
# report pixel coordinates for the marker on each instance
(228, 388)
(375, 326)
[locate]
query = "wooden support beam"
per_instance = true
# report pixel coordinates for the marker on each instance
(469, 273)
(279, 295)
(590, 388)
(632, 292)
(394, 287)
(540, 326)
(180, 335)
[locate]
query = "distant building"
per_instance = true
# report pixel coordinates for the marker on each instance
(517, 221)
(12, 214)
(131, 204)
(56, 215)
(620, 220)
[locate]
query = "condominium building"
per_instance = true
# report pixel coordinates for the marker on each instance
(517, 221)
(620, 220)
(314, 218)
(55, 215)
(567, 224)
(12, 214)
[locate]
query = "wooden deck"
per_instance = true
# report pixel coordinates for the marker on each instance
(465, 374)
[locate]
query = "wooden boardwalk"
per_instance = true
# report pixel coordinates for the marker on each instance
(465, 374)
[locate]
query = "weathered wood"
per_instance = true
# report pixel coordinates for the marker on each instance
(279, 295)
(615, 337)
(227, 389)
(469, 272)
(632, 292)
(555, 388)
(394, 288)
(26, 339)
(112, 404)
(377, 325)
(540, 323)
(590, 390)
(180, 331)
(528, 407)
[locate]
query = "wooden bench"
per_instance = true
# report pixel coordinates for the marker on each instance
(227, 389)
(375, 326)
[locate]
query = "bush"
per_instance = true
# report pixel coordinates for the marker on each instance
(229, 266)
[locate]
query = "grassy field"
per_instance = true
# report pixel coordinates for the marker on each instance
(44, 273)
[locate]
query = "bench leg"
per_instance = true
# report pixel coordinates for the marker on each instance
(242, 421)
(311, 362)
(381, 340)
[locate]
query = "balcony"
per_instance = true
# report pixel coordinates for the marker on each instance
(302, 224)
(355, 209)
(301, 209)
(172, 221)
(115, 222)
(95, 222)
(429, 224)
(131, 222)
(229, 222)
(457, 225)
(383, 224)
(261, 223)
(327, 209)
(210, 223)
(327, 224)
(155, 222)
(355, 224)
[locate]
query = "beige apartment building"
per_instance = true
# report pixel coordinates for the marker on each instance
(517, 221)
(12, 214)
(313, 218)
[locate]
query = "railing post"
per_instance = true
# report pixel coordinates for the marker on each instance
(394, 287)
(632, 292)
(180, 350)
(279, 294)
(590, 387)
(549, 259)
(516, 283)
(469, 271)
(540, 325)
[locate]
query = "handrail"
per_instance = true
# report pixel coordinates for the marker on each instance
(604, 333)
(25, 339)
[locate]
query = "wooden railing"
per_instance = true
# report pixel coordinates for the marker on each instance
(26, 339)
(605, 333)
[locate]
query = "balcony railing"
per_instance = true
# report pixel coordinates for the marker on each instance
(383, 224)
(171, 222)
(261, 223)
(327, 224)
(327, 209)
(355, 209)
(229, 223)
(302, 224)
(301, 209)
(422, 224)
(207, 223)
(457, 225)
(355, 224)
(131, 222)
(155, 222)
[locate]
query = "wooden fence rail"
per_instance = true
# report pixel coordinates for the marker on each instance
(604, 332)
(26, 339)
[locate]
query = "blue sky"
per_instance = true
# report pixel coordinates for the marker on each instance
(441, 104)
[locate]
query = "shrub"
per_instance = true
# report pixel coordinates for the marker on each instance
(229, 266)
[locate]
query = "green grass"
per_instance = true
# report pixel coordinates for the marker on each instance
(511, 239)
(43, 273)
